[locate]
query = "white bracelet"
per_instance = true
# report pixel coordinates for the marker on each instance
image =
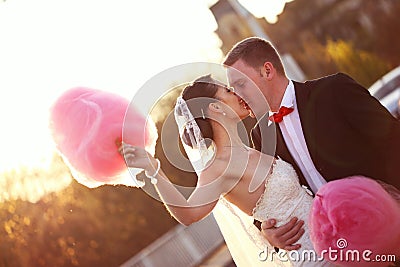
(153, 177)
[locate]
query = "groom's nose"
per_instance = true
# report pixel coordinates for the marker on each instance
(236, 93)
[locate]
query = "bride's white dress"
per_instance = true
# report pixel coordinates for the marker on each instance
(283, 199)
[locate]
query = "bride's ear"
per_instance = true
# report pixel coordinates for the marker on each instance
(215, 107)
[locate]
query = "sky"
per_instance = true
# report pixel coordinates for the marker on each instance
(50, 46)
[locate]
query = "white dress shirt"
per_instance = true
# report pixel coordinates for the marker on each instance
(294, 138)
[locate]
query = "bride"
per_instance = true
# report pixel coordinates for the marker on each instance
(260, 185)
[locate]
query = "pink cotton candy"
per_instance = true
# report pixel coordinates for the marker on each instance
(86, 124)
(355, 213)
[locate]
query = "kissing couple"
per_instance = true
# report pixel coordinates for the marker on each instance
(309, 135)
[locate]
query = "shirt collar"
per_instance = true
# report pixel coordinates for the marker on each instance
(288, 99)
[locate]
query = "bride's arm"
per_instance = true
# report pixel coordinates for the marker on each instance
(186, 211)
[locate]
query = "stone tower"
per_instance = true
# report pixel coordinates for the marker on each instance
(236, 23)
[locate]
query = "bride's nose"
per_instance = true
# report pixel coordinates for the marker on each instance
(238, 97)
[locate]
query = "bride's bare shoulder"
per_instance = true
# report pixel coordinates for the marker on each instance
(212, 172)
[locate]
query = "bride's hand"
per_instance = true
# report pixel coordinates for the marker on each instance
(137, 157)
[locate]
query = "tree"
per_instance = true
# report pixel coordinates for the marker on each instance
(73, 226)
(363, 66)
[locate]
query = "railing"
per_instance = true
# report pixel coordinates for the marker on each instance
(181, 246)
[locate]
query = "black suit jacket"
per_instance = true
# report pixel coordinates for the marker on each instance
(347, 131)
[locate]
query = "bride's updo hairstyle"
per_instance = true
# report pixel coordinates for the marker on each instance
(204, 87)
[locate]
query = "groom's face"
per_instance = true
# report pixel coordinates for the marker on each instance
(249, 85)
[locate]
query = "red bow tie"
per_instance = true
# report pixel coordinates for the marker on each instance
(278, 117)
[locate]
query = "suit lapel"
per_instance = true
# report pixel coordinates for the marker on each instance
(308, 117)
(269, 133)
(283, 152)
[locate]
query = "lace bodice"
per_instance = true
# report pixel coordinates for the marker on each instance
(283, 199)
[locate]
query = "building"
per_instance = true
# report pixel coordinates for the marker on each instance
(235, 23)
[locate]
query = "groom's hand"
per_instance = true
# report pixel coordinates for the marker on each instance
(285, 236)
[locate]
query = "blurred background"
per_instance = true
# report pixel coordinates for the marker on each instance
(48, 46)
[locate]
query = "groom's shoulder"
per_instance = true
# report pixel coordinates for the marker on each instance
(329, 82)
(332, 78)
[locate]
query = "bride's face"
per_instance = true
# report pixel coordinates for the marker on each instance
(234, 105)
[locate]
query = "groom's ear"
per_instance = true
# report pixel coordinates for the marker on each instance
(267, 70)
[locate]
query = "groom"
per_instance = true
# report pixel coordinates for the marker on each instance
(327, 128)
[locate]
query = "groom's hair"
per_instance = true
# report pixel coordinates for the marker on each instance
(204, 89)
(254, 51)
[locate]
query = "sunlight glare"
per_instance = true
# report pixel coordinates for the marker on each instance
(270, 9)
(49, 47)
